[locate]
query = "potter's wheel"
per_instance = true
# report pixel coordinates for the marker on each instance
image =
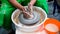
(18, 19)
(34, 20)
(38, 13)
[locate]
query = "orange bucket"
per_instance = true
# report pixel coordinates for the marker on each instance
(52, 26)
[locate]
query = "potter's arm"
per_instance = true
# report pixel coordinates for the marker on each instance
(19, 6)
(16, 4)
(32, 2)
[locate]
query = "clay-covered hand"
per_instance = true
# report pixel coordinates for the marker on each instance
(30, 5)
(27, 15)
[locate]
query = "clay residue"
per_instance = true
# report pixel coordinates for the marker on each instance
(15, 18)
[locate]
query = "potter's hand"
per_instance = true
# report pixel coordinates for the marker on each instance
(30, 7)
(22, 8)
(27, 14)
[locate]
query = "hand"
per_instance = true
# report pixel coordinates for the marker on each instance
(22, 8)
(30, 5)
(26, 14)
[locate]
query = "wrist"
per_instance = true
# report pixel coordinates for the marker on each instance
(31, 4)
(22, 8)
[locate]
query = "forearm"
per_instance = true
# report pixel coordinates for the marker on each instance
(32, 2)
(16, 4)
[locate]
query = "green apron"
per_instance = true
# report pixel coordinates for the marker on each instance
(6, 10)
